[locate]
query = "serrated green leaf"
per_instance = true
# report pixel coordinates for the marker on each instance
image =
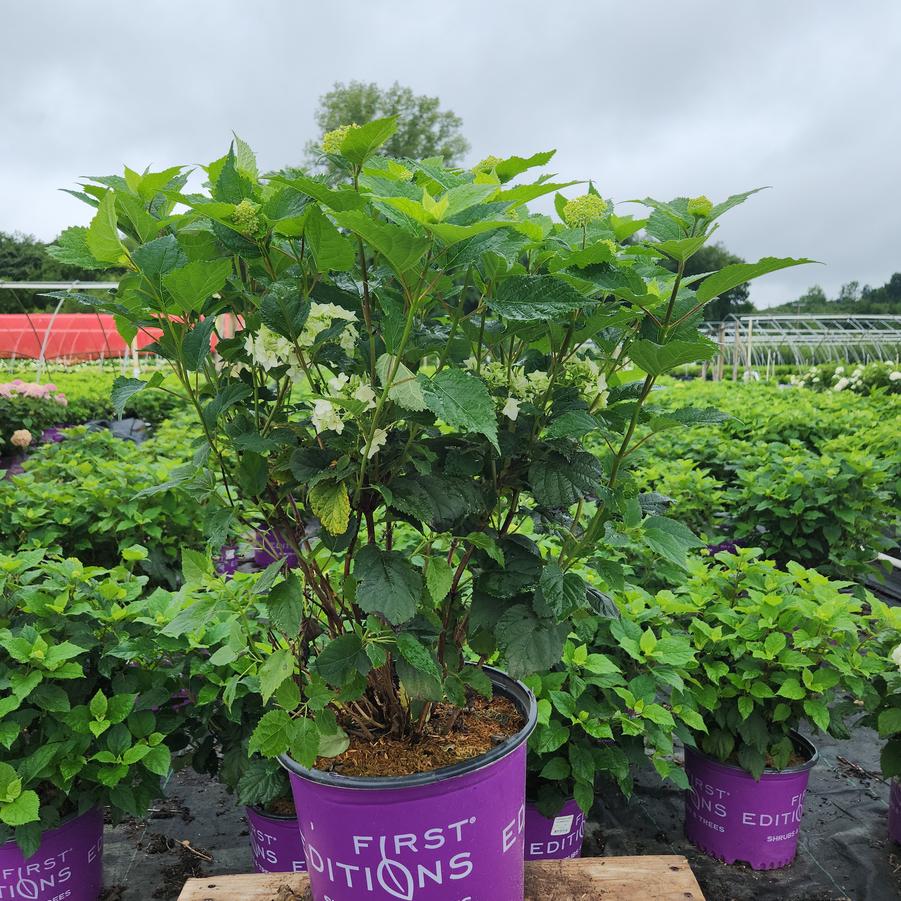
(276, 668)
(191, 285)
(462, 401)
(329, 501)
(532, 298)
(738, 273)
(417, 655)
(387, 584)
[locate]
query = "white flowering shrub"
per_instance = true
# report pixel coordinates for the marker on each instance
(419, 369)
(856, 378)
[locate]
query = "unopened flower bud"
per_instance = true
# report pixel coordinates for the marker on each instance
(246, 218)
(580, 211)
(701, 207)
(332, 140)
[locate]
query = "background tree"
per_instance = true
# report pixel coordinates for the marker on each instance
(423, 128)
(23, 258)
(710, 258)
(865, 301)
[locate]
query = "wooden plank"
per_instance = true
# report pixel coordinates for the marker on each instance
(646, 878)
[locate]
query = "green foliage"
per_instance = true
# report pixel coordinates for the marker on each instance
(773, 649)
(809, 477)
(86, 393)
(89, 714)
(424, 130)
(422, 365)
(695, 496)
(80, 497)
(852, 299)
(817, 509)
(605, 709)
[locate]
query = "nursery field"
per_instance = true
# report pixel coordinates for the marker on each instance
(437, 541)
(806, 476)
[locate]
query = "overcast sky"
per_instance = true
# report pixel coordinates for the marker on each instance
(661, 97)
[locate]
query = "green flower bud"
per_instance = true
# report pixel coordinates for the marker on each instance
(487, 164)
(246, 219)
(701, 207)
(332, 140)
(579, 211)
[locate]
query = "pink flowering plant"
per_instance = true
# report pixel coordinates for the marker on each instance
(26, 409)
(419, 369)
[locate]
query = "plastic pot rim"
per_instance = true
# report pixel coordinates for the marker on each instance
(502, 683)
(281, 817)
(802, 744)
(67, 820)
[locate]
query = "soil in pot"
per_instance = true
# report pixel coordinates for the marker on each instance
(452, 735)
(733, 817)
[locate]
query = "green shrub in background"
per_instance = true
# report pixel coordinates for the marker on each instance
(87, 679)
(830, 512)
(774, 649)
(82, 497)
(87, 392)
(811, 477)
(696, 496)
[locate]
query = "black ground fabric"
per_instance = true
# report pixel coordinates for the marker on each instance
(844, 851)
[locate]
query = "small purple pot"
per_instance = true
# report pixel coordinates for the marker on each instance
(554, 838)
(894, 812)
(731, 816)
(271, 546)
(68, 864)
(275, 843)
(445, 835)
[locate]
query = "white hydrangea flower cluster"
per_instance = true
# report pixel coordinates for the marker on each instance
(328, 415)
(582, 373)
(269, 349)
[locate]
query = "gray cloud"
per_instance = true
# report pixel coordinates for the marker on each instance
(661, 97)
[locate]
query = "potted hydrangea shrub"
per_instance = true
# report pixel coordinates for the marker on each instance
(86, 718)
(775, 650)
(419, 368)
(226, 630)
(604, 710)
(884, 715)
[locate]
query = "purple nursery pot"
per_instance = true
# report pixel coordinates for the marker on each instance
(275, 843)
(894, 812)
(554, 838)
(447, 835)
(731, 816)
(68, 866)
(271, 546)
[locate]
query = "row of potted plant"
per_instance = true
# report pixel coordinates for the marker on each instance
(110, 685)
(414, 406)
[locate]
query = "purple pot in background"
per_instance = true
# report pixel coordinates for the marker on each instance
(228, 561)
(554, 838)
(731, 816)
(68, 865)
(275, 843)
(446, 835)
(894, 812)
(271, 546)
